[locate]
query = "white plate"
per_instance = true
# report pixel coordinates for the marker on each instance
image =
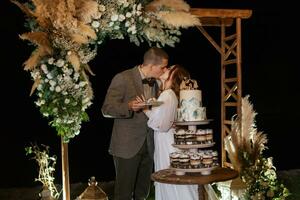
(153, 103)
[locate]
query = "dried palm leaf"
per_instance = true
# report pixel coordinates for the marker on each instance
(86, 10)
(35, 85)
(157, 5)
(232, 152)
(34, 59)
(86, 30)
(43, 9)
(71, 6)
(178, 19)
(90, 89)
(73, 58)
(40, 39)
(88, 69)
(258, 144)
(80, 39)
(248, 123)
(24, 8)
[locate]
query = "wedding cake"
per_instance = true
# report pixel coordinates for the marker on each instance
(190, 102)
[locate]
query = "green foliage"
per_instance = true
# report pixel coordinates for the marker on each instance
(262, 182)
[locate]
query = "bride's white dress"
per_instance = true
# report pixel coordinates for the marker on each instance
(160, 120)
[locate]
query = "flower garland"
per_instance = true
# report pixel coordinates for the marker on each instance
(67, 34)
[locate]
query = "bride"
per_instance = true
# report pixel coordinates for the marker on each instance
(160, 120)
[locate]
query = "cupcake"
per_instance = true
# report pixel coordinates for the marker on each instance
(209, 135)
(215, 158)
(179, 136)
(195, 160)
(201, 136)
(184, 160)
(207, 160)
(190, 137)
(174, 159)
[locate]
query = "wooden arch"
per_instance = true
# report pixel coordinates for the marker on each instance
(229, 21)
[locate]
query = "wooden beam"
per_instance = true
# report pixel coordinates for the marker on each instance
(210, 39)
(215, 21)
(221, 13)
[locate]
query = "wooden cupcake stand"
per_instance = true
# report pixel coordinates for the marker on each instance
(201, 176)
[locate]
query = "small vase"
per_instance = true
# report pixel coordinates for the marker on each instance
(45, 194)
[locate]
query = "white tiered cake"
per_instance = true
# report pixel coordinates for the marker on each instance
(190, 102)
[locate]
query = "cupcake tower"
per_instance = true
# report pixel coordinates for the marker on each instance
(192, 154)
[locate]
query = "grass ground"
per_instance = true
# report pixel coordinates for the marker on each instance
(291, 179)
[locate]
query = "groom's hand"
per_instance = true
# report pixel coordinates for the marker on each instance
(135, 105)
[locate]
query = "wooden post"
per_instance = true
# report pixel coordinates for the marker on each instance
(65, 170)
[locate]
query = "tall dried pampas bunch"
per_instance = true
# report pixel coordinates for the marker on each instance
(244, 144)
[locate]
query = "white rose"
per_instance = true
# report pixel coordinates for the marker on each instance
(60, 63)
(111, 24)
(52, 83)
(114, 17)
(44, 68)
(57, 89)
(126, 4)
(67, 101)
(139, 7)
(127, 24)
(82, 83)
(121, 17)
(50, 61)
(95, 24)
(102, 8)
(40, 86)
(128, 15)
(49, 76)
(147, 20)
(138, 13)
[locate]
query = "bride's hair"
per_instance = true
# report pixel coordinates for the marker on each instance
(177, 75)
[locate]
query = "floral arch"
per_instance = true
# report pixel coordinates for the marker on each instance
(68, 33)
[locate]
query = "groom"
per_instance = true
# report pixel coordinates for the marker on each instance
(132, 140)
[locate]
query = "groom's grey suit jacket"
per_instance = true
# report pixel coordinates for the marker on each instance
(130, 128)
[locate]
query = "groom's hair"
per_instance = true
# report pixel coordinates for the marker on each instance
(155, 56)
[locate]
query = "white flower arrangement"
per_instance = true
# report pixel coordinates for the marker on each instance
(63, 95)
(67, 35)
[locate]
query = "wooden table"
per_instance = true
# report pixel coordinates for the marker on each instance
(217, 175)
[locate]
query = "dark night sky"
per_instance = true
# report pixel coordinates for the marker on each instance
(269, 76)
